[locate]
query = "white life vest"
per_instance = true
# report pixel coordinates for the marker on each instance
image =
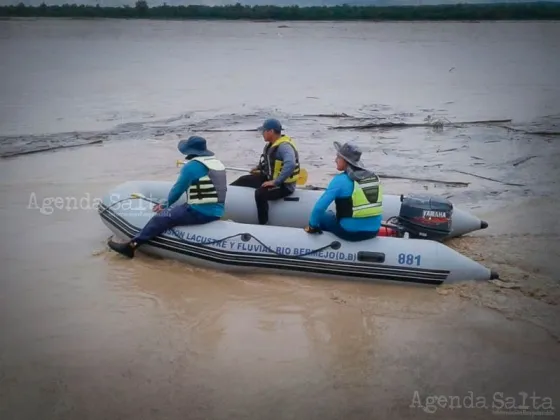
(211, 188)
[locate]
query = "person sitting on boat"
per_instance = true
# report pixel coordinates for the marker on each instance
(277, 172)
(203, 179)
(358, 197)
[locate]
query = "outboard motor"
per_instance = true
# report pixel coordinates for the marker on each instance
(426, 217)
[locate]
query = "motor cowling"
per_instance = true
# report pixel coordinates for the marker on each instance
(426, 217)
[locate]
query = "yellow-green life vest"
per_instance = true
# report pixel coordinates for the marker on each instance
(366, 200)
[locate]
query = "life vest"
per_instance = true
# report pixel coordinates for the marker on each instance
(272, 166)
(211, 188)
(366, 199)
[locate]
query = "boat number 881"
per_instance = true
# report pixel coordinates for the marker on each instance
(409, 259)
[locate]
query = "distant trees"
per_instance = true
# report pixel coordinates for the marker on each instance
(511, 11)
(142, 8)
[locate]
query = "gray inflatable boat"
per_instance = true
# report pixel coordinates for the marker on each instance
(241, 245)
(294, 211)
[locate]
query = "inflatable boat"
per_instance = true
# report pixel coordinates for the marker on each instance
(238, 244)
(294, 211)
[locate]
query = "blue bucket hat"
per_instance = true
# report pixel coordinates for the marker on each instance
(271, 124)
(194, 146)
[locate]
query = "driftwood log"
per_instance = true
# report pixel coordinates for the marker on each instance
(397, 125)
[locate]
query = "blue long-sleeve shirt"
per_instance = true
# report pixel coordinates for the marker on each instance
(342, 186)
(190, 172)
(286, 153)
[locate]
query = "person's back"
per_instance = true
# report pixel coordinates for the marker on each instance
(205, 182)
(352, 224)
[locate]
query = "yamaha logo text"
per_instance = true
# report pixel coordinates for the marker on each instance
(432, 213)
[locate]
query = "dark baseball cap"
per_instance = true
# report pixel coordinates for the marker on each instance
(271, 124)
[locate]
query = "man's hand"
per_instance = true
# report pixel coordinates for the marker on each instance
(158, 208)
(310, 229)
(255, 171)
(268, 184)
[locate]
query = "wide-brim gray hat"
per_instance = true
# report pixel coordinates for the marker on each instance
(350, 153)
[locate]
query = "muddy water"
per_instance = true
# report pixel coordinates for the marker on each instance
(87, 334)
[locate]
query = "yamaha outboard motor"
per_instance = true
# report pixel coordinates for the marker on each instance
(426, 217)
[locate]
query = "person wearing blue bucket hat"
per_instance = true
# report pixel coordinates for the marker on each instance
(203, 179)
(194, 146)
(276, 175)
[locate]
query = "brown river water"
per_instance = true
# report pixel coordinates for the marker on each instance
(86, 334)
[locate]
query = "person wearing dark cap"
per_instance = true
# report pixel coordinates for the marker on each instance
(358, 197)
(277, 172)
(202, 179)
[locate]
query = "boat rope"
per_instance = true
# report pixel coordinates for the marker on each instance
(116, 202)
(245, 237)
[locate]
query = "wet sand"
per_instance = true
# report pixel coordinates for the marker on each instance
(87, 334)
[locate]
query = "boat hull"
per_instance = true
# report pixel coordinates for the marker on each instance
(243, 247)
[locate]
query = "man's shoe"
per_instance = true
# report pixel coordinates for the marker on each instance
(125, 249)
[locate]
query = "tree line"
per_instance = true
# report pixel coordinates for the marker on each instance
(141, 10)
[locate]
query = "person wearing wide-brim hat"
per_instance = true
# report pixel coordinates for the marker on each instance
(358, 197)
(202, 179)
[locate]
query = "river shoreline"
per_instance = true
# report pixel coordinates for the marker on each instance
(468, 13)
